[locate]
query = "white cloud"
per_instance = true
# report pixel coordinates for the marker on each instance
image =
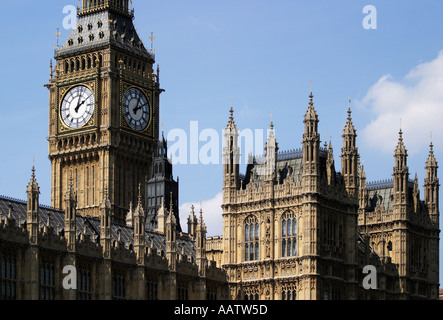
(212, 214)
(417, 100)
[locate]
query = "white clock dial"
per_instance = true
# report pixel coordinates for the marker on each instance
(136, 109)
(77, 107)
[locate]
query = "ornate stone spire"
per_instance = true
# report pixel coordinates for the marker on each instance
(231, 122)
(32, 222)
(431, 162)
(311, 114)
(33, 185)
(349, 129)
(271, 154)
(400, 150)
(192, 222)
(201, 221)
(231, 158)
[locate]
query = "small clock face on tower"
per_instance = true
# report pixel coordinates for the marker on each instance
(77, 107)
(136, 109)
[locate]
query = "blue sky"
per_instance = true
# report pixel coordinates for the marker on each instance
(262, 53)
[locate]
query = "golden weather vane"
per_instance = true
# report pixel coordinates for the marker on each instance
(152, 41)
(58, 35)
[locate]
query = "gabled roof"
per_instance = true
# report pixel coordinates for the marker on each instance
(90, 225)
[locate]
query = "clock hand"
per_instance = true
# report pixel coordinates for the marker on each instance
(80, 104)
(136, 108)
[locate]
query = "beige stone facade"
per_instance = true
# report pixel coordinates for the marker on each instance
(103, 140)
(295, 229)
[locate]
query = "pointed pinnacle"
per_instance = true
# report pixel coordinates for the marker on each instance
(201, 216)
(171, 205)
(139, 194)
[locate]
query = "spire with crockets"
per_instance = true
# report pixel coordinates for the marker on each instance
(349, 155)
(432, 185)
(231, 158)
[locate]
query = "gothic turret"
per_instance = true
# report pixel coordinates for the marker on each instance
(432, 186)
(311, 148)
(33, 192)
(231, 160)
(171, 237)
(311, 180)
(363, 191)
(401, 177)
(349, 156)
(70, 217)
(105, 226)
(139, 231)
(192, 223)
(201, 245)
(271, 150)
(401, 172)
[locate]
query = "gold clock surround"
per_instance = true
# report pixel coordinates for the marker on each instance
(63, 91)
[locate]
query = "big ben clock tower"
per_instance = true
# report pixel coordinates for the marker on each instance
(103, 110)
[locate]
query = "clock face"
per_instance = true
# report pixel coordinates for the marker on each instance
(136, 109)
(77, 107)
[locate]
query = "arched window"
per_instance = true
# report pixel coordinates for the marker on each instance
(289, 293)
(252, 235)
(289, 235)
(8, 277)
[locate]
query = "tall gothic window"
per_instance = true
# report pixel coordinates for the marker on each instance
(84, 283)
(9, 277)
(252, 235)
(289, 293)
(289, 235)
(151, 290)
(119, 287)
(183, 291)
(47, 281)
(252, 294)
